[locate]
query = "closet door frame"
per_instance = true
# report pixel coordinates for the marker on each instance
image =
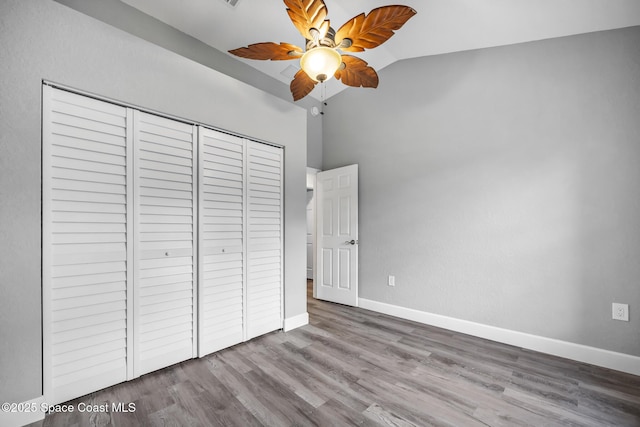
(132, 229)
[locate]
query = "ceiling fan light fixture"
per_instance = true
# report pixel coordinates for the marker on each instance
(321, 63)
(323, 59)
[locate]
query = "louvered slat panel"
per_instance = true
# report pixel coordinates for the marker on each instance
(84, 244)
(264, 247)
(222, 214)
(166, 228)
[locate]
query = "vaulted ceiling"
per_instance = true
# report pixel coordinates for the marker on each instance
(441, 26)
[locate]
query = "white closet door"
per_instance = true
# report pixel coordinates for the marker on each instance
(165, 253)
(264, 244)
(221, 251)
(85, 254)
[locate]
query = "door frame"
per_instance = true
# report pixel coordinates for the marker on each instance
(311, 186)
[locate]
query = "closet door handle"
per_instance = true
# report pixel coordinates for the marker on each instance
(351, 242)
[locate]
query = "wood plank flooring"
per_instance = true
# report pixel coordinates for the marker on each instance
(355, 367)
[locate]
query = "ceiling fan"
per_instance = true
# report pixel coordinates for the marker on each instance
(322, 58)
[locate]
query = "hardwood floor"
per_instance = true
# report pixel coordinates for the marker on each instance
(356, 367)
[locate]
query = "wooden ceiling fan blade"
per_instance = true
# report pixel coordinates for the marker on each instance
(307, 14)
(301, 85)
(269, 50)
(366, 32)
(357, 73)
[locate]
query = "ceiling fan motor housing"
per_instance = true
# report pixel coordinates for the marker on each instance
(329, 40)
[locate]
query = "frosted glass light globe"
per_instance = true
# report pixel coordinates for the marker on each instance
(320, 63)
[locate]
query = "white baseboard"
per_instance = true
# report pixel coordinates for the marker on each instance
(296, 321)
(582, 353)
(29, 412)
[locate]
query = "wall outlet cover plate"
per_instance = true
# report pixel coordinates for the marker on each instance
(620, 311)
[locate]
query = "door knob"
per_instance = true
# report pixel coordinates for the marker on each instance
(351, 242)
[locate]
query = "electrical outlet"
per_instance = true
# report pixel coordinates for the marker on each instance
(620, 311)
(392, 281)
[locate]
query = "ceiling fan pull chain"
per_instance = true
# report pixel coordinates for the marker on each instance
(323, 96)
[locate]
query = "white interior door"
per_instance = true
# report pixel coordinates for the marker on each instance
(85, 256)
(337, 235)
(165, 251)
(222, 241)
(264, 303)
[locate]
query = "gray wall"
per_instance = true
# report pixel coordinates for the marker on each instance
(501, 186)
(133, 21)
(41, 39)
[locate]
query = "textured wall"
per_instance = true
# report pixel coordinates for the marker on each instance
(501, 186)
(41, 39)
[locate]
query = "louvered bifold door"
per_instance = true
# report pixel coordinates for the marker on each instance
(165, 251)
(86, 259)
(264, 239)
(222, 259)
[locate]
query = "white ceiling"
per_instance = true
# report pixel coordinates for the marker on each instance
(440, 26)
